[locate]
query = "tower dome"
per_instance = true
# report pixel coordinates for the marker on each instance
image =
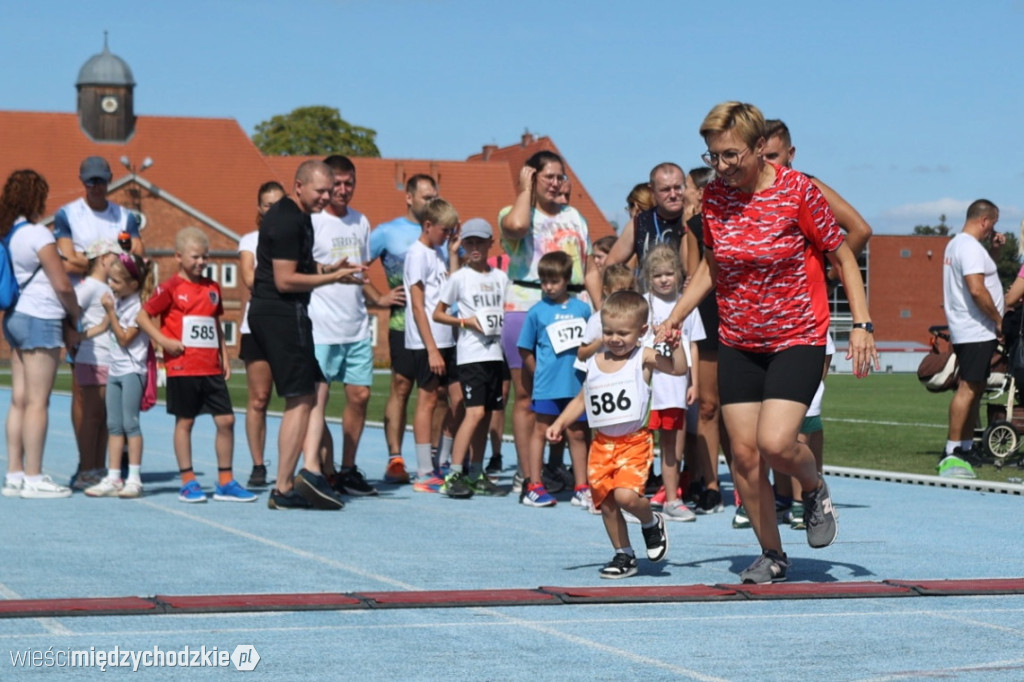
(105, 68)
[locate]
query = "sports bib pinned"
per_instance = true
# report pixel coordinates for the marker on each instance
(198, 331)
(566, 334)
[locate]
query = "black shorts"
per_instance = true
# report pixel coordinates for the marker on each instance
(401, 360)
(287, 344)
(708, 309)
(481, 384)
(790, 374)
(975, 360)
(249, 350)
(188, 397)
(423, 374)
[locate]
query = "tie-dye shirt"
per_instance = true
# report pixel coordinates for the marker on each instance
(565, 231)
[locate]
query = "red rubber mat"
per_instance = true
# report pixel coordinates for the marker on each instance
(258, 602)
(837, 590)
(447, 598)
(58, 608)
(945, 588)
(656, 593)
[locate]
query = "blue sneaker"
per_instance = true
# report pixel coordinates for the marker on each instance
(191, 493)
(232, 492)
(536, 495)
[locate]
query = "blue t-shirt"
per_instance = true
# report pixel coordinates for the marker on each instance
(555, 377)
(390, 242)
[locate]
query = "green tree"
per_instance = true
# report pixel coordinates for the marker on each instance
(941, 229)
(1008, 261)
(314, 131)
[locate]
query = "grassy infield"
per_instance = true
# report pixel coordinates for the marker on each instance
(886, 422)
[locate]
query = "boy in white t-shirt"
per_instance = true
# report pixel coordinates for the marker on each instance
(431, 344)
(478, 292)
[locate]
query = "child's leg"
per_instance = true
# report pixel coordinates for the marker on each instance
(115, 425)
(671, 457)
(224, 444)
(479, 441)
(134, 385)
(183, 447)
(637, 505)
(538, 439)
(578, 435)
(426, 402)
(464, 436)
(614, 523)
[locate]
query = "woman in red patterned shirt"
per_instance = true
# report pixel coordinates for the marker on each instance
(768, 231)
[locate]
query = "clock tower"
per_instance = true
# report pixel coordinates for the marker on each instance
(105, 85)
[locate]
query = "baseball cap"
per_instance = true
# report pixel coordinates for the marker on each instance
(101, 247)
(94, 167)
(476, 227)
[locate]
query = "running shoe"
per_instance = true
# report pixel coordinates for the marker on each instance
(44, 489)
(770, 567)
(677, 511)
(483, 485)
(740, 519)
(621, 566)
(288, 500)
(656, 539)
(12, 488)
(555, 477)
(536, 495)
(427, 484)
(317, 491)
(456, 486)
(233, 492)
(396, 473)
(131, 490)
(86, 479)
(658, 500)
(796, 522)
(952, 466)
(191, 493)
(710, 501)
(258, 477)
(517, 483)
(352, 482)
(821, 517)
(107, 487)
(582, 498)
(494, 464)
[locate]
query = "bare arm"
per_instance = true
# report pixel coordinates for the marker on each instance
(376, 299)
(692, 258)
(172, 347)
(622, 249)
(74, 263)
(247, 268)
(858, 232)
(123, 335)
(1016, 293)
(517, 222)
(288, 280)
(976, 288)
(572, 412)
(419, 315)
(53, 268)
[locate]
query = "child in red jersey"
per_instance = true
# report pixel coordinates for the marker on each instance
(189, 307)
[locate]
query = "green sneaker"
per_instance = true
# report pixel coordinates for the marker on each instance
(456, 486)
(740, 519)
(796, 521)
(483, 485)
(952, 466)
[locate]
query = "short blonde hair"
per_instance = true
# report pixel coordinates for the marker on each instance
(618, 277)
(745, 119)
(660, 256)
(626, 304)
(190, 235)
(440, 212)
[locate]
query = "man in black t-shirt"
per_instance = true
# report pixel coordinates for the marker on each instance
(285, 275)
(662, 224)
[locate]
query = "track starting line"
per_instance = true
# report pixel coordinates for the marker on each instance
(541, 596)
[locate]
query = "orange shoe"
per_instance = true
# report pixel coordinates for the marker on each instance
(396, 473)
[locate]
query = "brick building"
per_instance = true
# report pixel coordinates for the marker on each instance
(179, 171)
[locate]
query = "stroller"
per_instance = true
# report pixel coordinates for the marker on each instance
(1002, 441)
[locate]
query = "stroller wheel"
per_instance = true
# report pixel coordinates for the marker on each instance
(1000, 440)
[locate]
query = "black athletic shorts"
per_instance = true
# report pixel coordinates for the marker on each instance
(249, 350)
(423, 374)
(481, 384)
(790, 374)
(975, 360)
(401, 359)
(287, 344)
(188, 397)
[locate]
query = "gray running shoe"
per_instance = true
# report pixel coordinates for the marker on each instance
(677, 511)
(820, 517)
(770, 567)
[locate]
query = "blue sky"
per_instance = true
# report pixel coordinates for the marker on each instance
(908, 109)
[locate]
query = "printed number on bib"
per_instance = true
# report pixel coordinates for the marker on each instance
(612, 402)
(566, 334)
(491, 320)
(199, 332)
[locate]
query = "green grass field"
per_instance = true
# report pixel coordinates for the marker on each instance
(886, 421)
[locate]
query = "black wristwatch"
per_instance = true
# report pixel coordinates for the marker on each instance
(866, 326)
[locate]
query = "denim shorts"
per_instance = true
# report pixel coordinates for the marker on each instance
(25, 332)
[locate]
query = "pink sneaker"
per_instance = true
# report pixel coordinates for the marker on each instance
(658, 500)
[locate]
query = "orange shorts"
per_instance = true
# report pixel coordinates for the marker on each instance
(619, 462)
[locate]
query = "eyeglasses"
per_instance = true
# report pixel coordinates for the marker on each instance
(557, 179)
(729, 158)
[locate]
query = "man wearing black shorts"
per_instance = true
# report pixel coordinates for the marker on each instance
(973, 301)
(285, 275)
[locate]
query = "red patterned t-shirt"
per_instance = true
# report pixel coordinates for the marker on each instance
(190, 312)
(769, 247)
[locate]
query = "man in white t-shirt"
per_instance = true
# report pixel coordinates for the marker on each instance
(341, 326)
(77, 226)
(973, 301)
